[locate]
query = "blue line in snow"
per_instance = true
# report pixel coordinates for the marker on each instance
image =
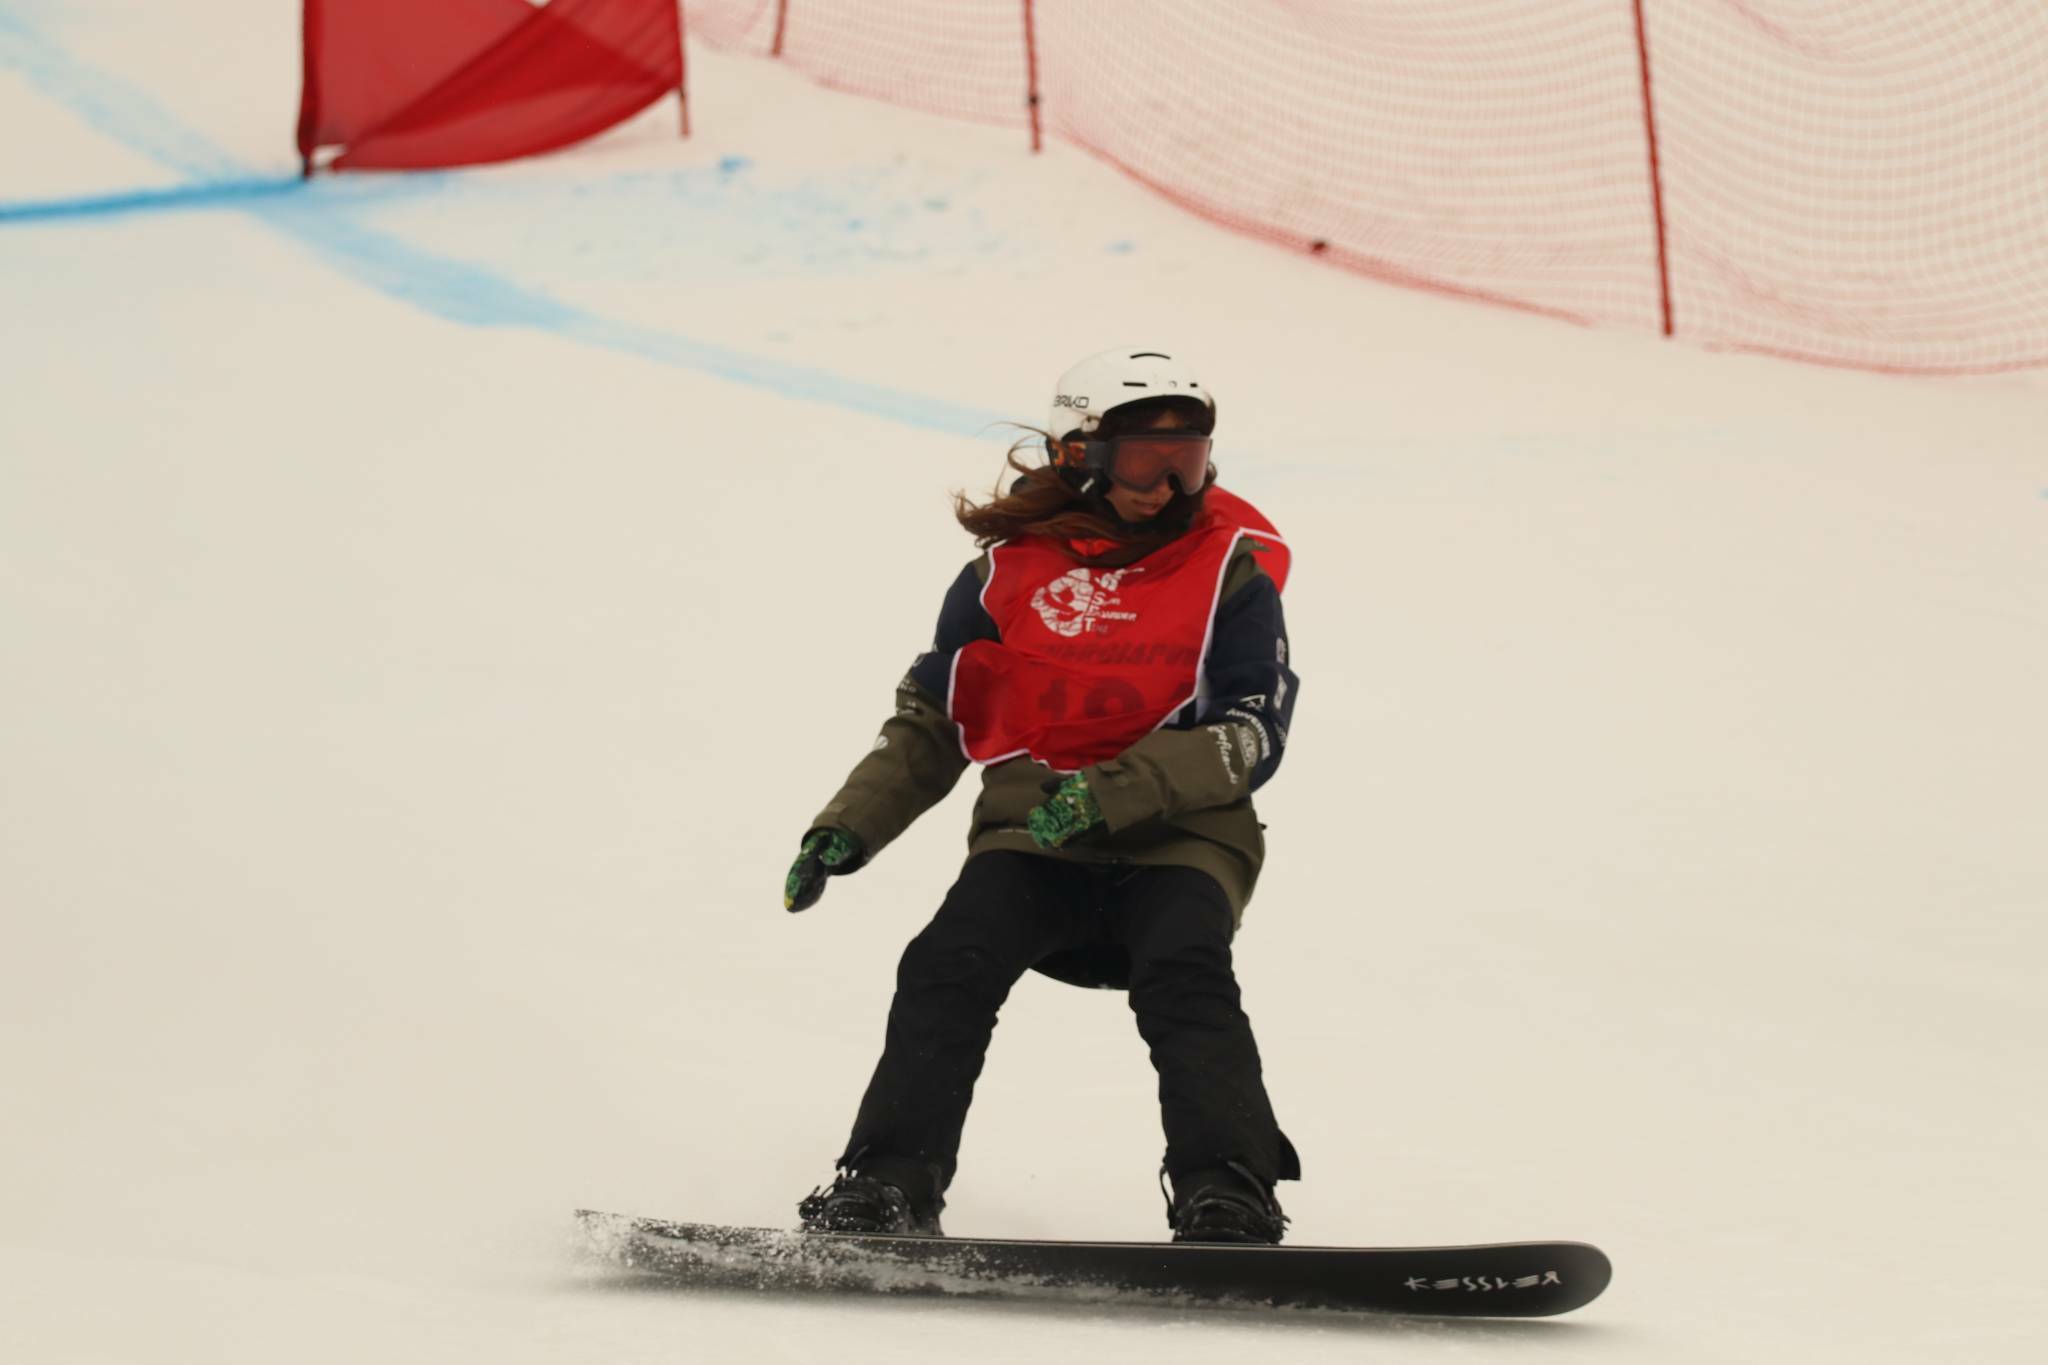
(138, 201)
(459, 291)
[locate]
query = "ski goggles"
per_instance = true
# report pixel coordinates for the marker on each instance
(1141, 460)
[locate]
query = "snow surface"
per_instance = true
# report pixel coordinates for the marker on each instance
(431, 607)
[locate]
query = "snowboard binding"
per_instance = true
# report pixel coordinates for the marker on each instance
(1223, 1204)
(866, 1205)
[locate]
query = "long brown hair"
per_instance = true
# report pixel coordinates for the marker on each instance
(1042, 503)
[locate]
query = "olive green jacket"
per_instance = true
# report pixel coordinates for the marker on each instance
(1181, 796)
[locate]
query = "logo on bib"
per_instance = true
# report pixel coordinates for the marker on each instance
(1081, 601)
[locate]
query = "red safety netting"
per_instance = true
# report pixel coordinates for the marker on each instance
(1859, 183)
(416, 83)
(1843, 181)
(1493, 150)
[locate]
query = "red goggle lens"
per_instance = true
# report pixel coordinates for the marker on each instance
(1138, 462)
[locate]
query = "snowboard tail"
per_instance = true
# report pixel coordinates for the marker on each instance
(1511, 1279)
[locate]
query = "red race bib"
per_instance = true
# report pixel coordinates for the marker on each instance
(1093, 660)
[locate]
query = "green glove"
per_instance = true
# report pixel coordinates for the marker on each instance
(1070, 811)
(826, 853)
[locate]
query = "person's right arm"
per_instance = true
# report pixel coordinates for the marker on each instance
(916, 759)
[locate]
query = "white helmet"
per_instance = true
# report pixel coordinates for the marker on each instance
(1097, 386)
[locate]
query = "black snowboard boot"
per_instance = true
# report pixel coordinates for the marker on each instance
(866, 1204)
(1224, 1204)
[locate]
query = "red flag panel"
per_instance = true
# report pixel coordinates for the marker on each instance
(422, 83)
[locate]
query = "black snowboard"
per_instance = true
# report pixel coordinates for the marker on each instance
(1509, 1279)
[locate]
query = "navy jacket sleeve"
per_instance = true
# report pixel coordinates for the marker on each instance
(962, 619)
(1249, 680)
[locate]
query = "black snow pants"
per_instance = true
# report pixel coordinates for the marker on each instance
(1008, 911)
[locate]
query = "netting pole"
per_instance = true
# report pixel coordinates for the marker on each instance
(683, 61)
(1656, 171)
(1031, 75)
(781, 23)
(309, 90)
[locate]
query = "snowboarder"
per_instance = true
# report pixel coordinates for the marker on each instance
(1117, 660)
